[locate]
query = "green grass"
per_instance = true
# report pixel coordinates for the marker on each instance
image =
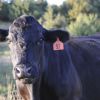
(4, 49)
(6, 76)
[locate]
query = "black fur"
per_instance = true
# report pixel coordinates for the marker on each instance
(3, 34)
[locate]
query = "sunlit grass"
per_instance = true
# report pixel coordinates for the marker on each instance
(4, 49)
(6, 78)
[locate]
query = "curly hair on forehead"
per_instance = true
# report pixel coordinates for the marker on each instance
(20, 22)
(24, 21)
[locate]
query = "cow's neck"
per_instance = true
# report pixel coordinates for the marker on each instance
(55, 61)
(36, 86)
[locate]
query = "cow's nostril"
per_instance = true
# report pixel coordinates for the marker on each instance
(17, 70)
(23, 72)
(19, 73)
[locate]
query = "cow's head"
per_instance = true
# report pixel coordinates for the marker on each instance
(26, 39)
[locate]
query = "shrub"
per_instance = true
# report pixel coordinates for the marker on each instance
(85, 25)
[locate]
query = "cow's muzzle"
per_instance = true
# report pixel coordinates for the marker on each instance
(22, 72)
(26, 73)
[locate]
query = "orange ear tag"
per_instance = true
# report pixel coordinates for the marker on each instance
(58, 45)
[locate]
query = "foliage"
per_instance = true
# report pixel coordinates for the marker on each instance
(77, 7)
(85, 25)
(55, 20)
(53, 16)
(0, 5)
(64, 8)
(60, 21)
(93, 6)
(4, 11)
(9, 11)
(48, 15)
(14, 12)
(37, 8)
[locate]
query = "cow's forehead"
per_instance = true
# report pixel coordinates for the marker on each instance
(25, 27)
(17, 25)
(23, 21)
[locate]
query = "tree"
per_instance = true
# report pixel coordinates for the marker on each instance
(77, 7)
(48, 18)
(37, 9)
(60, 21)
(55, 9)
(14, 12)
(40, 1)
(83, 16)
(23, 6)
(4, 12)
(64, 8)
(0, 5)
(85, 25)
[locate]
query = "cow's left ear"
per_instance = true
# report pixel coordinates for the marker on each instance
(52, 35)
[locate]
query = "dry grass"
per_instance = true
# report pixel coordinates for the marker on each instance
(11, 94)
(7, 84)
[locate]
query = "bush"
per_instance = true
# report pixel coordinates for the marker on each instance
(85, 25)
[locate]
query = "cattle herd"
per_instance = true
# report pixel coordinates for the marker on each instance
(51, 64)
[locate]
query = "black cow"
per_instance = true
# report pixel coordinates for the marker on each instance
(50, 65)
(3, 34)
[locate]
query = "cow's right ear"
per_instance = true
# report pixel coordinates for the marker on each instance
(3, 34)
(52, 35)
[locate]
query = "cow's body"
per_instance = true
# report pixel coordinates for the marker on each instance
(85, 56)
(60, 78)
(42, 73)
(82, 56)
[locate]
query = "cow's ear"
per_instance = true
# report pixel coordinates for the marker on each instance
(3, 34)
(52, 35)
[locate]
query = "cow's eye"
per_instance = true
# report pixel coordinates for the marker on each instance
(22, 45)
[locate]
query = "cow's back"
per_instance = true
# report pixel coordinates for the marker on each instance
(85, 55)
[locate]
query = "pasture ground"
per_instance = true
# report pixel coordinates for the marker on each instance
(6, 79)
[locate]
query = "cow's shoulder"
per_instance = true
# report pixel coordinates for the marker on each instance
(85, 51)
(86, 43)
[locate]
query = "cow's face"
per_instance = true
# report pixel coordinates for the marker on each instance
(24, 40)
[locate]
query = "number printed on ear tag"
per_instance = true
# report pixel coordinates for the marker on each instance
(58, 45)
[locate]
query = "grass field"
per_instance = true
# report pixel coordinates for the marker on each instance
(5, 68)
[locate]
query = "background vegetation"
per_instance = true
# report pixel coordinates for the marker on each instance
(79, 17)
